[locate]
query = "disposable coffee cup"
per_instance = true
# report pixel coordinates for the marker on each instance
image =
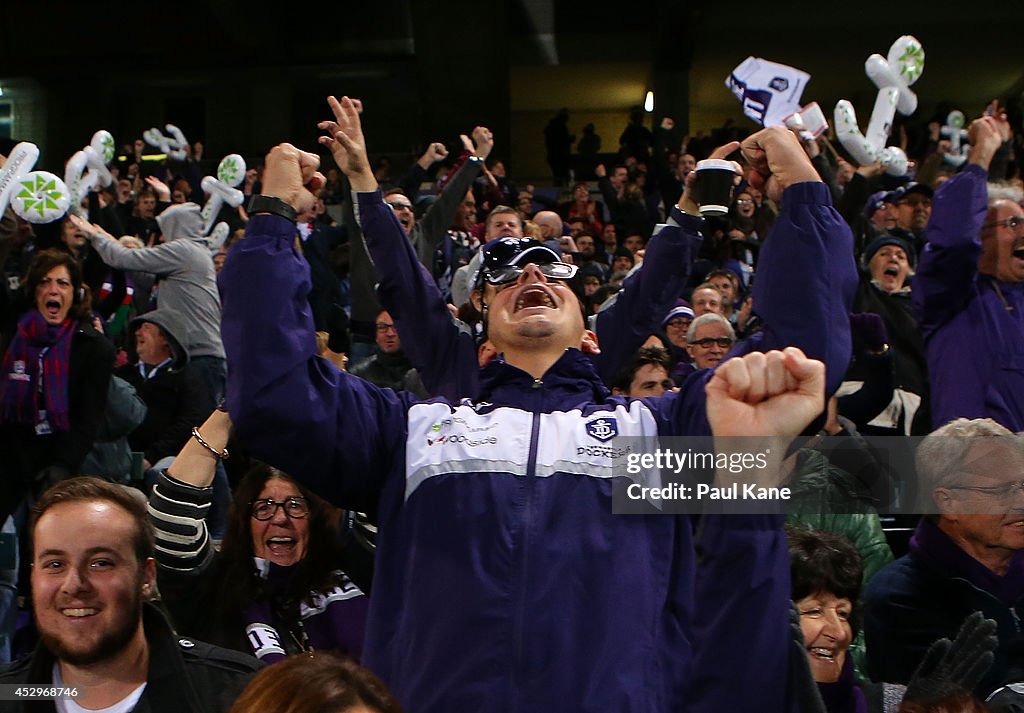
(715, 178)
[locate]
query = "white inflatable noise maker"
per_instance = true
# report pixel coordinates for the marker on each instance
(173, 145)
(230, 173)
(957, 135)
(36, 196)
(218, 236)
(893, 76)
(93, 157)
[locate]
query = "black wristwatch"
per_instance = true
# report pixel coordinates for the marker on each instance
(270, 204)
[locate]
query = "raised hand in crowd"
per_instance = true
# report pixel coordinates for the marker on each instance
(162, 190)
(196, 464)
(435, 153)
(766, 394)
(293, 176)
(346, 143)
(90, 229)
(999, 113)
(481, 143)
(484, 140)
(955, 667)
(567, 244)
(810, 145)
(985, 138)
(778, 161)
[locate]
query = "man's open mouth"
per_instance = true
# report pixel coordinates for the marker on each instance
(534, 296)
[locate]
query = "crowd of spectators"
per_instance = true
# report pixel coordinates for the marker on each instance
(114, 361)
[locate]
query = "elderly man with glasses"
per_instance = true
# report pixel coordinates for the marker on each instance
(708, 340)
(969, 293)
(966, 556)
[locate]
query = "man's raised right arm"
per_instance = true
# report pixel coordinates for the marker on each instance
(949, 262)
(336, 433)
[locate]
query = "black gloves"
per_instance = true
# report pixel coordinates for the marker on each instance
(958, 666)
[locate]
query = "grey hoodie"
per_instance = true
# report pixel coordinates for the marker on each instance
(188, 283)
(173, 328)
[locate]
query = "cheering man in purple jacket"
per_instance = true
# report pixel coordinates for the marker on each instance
(503, 580)
(969, 294)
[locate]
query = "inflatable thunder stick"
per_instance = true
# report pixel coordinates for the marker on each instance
(230, 173)
(893, 76)
(95, 158)
(173, 145)
(36, 196)
(957, 135)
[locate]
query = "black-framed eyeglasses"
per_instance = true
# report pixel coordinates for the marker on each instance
(384, 327)
(679, 323)
(707, 342)
(1014, 222)
(993, 491)
(510, 273)
(295, 508)
(399, 204)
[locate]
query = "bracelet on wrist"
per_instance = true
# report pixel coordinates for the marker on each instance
(219, 455)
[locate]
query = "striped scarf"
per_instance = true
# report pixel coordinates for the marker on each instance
(22, 401)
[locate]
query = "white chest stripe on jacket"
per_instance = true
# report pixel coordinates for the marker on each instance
(444, 441)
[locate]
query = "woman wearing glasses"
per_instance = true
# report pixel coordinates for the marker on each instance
(278, 585)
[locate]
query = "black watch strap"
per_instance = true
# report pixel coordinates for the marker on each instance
(270, 204)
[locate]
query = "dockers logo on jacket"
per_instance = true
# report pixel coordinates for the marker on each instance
(603, 429)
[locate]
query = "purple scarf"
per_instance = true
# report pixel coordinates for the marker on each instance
(37, 341)
(844, 696)
(335, 622)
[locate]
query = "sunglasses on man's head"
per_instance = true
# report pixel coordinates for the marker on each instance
(503, 250)
(510, 273)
